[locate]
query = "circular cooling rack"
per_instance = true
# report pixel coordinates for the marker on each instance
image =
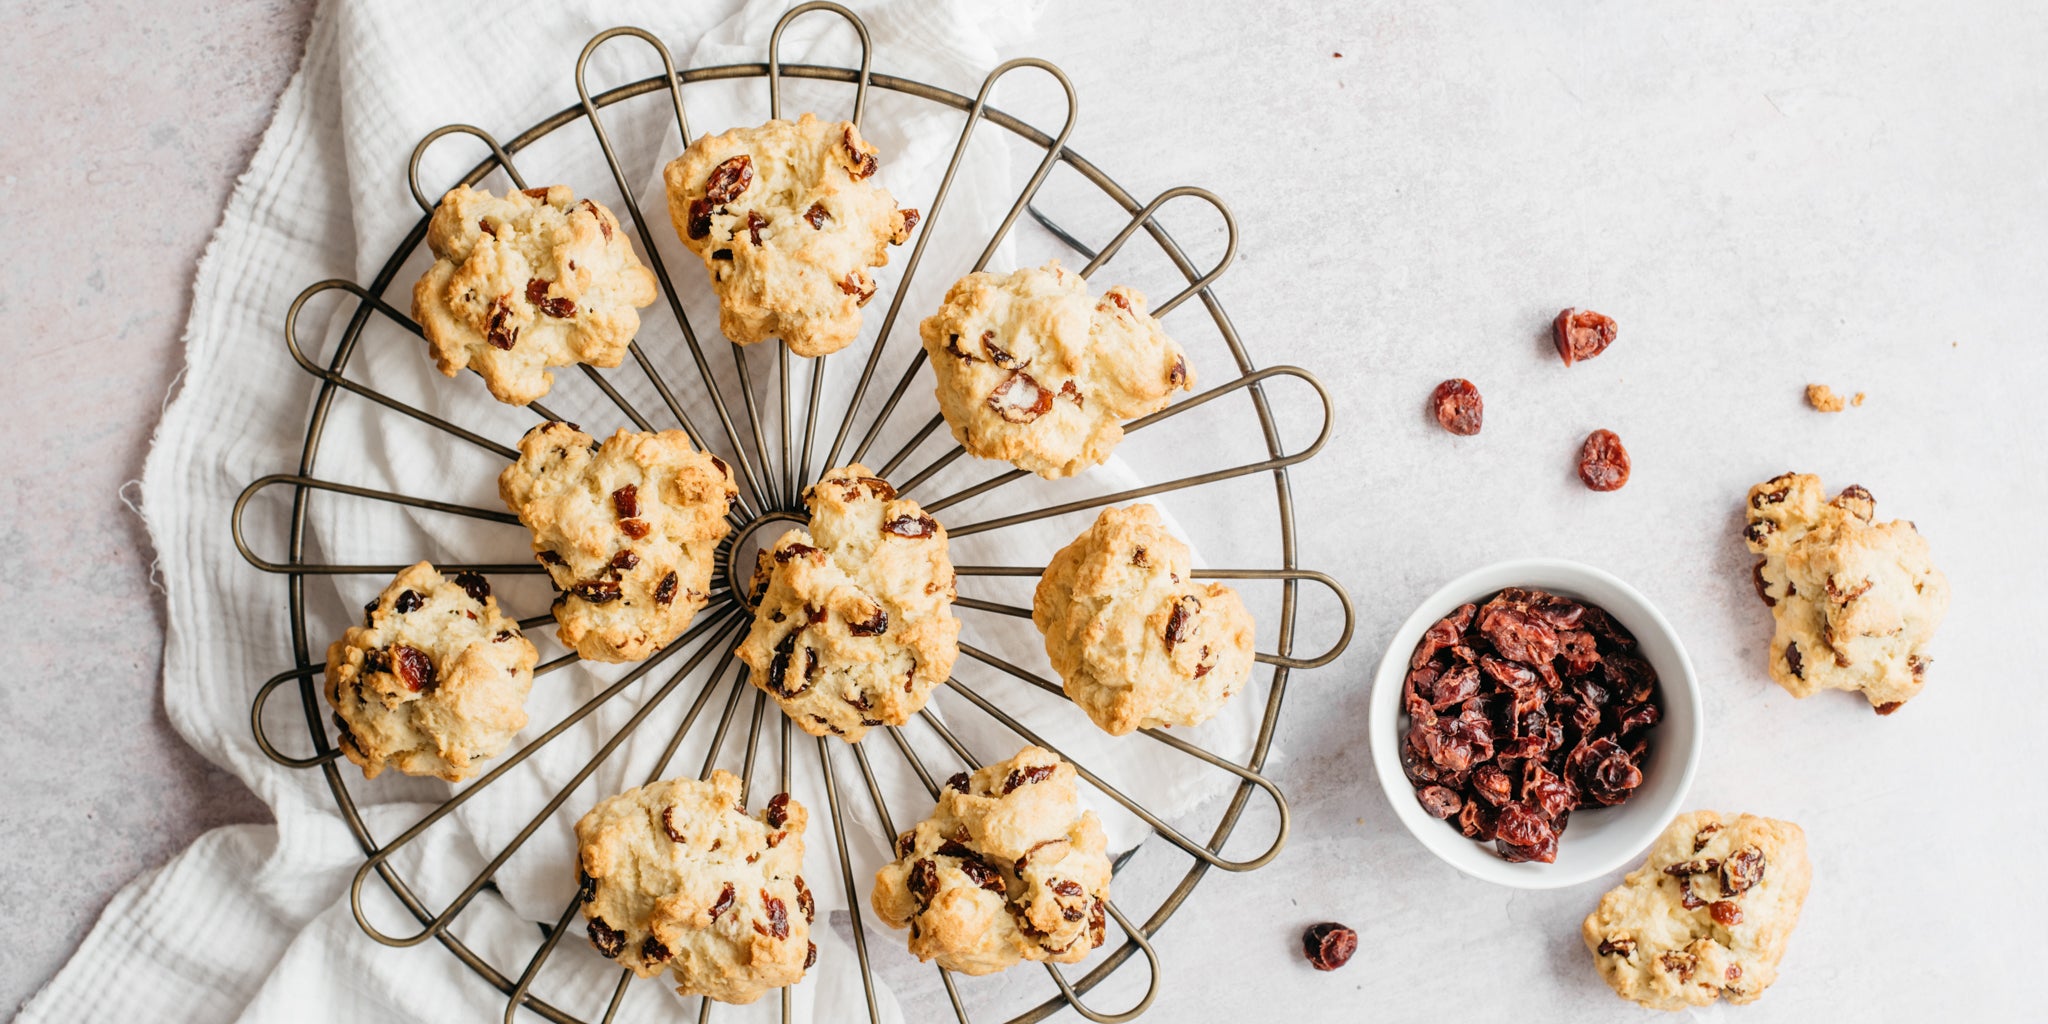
(772, 474)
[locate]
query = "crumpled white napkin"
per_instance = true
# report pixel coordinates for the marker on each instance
(253, 923)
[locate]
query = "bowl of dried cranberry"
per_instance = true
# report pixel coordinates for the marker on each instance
(1536, 723)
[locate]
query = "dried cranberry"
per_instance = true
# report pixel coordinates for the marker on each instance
(729, 179)
(909, 221)
(810, 955)
(665, 591)
(863, 163)
(778, 810)
(1792, 661)
(1439, 801)
(596, 591)
(1177, 375)
(625, 560)
(409, 601)
(755, 222)
(653, 952)
(474, 585)
(1725, 913)
(924, 878)
(1458, 406)
(535, 193)
(700, 218)
(1581, 334)
(987, 878)
(586, 887)
(958, 783)
(778, 915)
(635, 528)
(1618, 947)
(499, 333)
(607, 940)
(1019, 399)
(627, 501)
(805, 901)
(414, 667)
(873, 625)
(1742, 871)
(1603, 462)
(1329, 945)
(604, 223)
(1180, 622)
(817, 216)
(723, 903)
(911, 526)
(668, 826)
(1027, 775)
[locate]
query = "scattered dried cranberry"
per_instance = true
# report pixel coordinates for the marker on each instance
(1329, 945)
(1603, 462)
(729, 179)
(1458, 406)
(1581, 334)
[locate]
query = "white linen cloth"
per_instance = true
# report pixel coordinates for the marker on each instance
(253, 923)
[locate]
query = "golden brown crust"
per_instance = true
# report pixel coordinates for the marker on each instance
(787, 224)
(854, 623)
(519, 284)
(677, 877)
(1033, 372)
(1008, 868)
(628, 531)
(1855, 602)
(1137, 643)
(435, 680)
(1707, 916)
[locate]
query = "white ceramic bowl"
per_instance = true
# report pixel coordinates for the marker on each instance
(1597, 840)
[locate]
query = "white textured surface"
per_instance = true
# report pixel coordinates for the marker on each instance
(1761, 195)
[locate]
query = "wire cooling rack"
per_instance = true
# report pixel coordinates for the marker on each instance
(772, 477)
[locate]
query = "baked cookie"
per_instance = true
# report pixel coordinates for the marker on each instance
(787, 224)
(677, 877)
(1008, 868)
(1706, 916)
(627, 530)
(1855, 601)
(433, 682)
(519, 284)
(1034, 372)
(853, 618)
(1137, 643)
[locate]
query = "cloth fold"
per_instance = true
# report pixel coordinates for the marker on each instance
(254, 923)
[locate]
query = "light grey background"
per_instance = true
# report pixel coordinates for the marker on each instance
(1763, 194)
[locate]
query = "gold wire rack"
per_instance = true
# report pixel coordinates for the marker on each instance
(773, 477)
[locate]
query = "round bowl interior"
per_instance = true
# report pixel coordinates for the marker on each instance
(1598, 840)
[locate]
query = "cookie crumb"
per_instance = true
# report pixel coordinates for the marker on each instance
(1858, 400)
(1824, 399)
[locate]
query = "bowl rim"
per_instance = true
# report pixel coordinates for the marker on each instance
(1385, 713)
